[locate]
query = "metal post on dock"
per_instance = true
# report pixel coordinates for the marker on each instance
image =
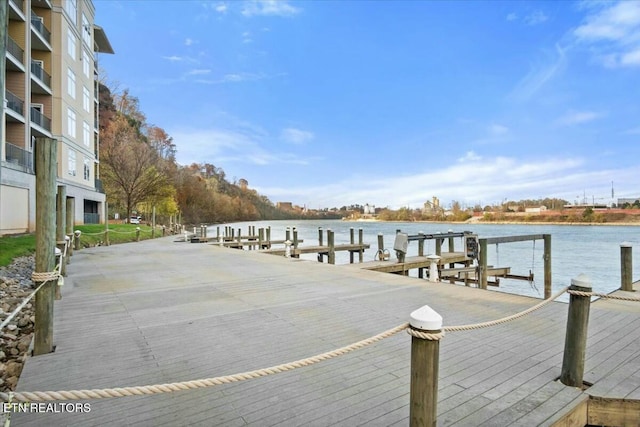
(575, 341)
(626, 267)
(547, 265)
(426, 331)
(332, 247)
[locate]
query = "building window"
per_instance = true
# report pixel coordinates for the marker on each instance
(86, 65)
(86, 30)
(71, 123)
(72, 162)
(86, 134)
(86, 99)
(71, 44)
(87, 169)
(71, 83)
(71, 7)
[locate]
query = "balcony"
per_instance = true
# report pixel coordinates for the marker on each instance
(19, 158)
(15, 59)
(15, 105)
(40, 119)
(16, 10)
(42, 83)
(99, 186)
(41, 36)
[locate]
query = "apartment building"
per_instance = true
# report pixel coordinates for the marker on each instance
(51, 91)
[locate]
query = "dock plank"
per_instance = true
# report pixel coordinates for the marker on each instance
(159, 312)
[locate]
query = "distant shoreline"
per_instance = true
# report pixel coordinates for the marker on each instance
(621, 224)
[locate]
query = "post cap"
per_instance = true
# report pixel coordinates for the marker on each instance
(426, 319)
(67, 238)
(434, 257)
(77, 233)
(582, 280)
(625, 245)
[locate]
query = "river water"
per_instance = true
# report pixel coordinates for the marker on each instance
(593, 250)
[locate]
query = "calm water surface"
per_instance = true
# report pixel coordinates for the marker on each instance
(575, 249)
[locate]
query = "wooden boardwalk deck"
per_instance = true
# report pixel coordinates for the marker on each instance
(158, 312)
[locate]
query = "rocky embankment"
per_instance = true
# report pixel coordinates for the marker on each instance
(15, 338)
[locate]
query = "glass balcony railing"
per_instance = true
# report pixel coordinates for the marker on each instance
(19, 157)
(15, 50)
(37, 23)
(40, 73)
(14, 103)
(40, 119)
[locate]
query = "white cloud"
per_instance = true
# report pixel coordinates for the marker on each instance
(578, 117)
(246, 37)
(188, 42)
(612, 30)
(512, 17)
(462, 181)
(498, 130)
(540, 75)
(221, 8)
(198, 72)
(269, 8)
(173, 58)
(536, 18)
(296, 136)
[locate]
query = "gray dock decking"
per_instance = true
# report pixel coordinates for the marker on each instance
(158, 312)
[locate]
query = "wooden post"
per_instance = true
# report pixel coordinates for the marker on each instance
(269, 237)
(287, 234)
(61, 225)
(381, 246)
(153, 222)
(352, 241)
(547, 266)
(425, 360)
(77, 240)
(626, 267)
(137, 234)
(421, 253)
(332, 247)
(106, 223)
(70, 222)
(482, 267)
(46, 168)
(361, 243)
(439, 247)
(452, 248)
(295, 243)
(319, 236)
(575, 341)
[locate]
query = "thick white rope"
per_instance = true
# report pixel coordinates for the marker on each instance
(599, 295)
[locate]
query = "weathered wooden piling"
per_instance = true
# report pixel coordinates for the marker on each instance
(352, 240)
(380, 246)
(69, 226)
(295, 243)
(575, 342)
(361, 243)
(547, 265)
(332, 247)
(626, 267)
(46, 166)
(420, 253)
(425, 360)
(61, 225)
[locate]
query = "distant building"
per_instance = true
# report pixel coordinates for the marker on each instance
(369, 209)
(630, 200)
(538, 209)
(431, 207)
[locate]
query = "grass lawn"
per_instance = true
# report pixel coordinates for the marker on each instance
(92, 234)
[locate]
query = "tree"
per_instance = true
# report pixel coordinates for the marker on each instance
(130, 166)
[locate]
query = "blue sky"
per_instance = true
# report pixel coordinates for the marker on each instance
(329, 103)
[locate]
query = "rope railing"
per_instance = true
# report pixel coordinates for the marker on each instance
(601, 295)
(41, 396)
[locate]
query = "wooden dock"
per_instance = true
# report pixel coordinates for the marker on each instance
(160, 312)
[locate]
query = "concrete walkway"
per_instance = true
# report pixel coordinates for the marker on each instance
(160, 311)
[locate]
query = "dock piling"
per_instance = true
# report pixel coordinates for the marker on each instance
(626, 267)
(425, 330)
(575, 342)
(332, 247)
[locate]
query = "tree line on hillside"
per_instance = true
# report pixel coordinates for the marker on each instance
(139, 172)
